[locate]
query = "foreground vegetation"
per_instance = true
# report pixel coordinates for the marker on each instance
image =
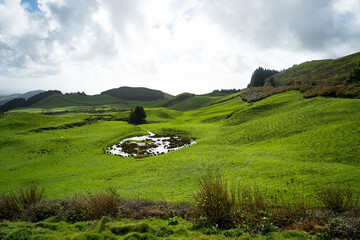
(218, 211)
(106, 228)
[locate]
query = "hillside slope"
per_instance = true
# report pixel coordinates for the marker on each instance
(284, 141)
(188, 101)
(318, 72)
(330, 78)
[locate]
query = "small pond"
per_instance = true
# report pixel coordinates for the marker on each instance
(149, 145)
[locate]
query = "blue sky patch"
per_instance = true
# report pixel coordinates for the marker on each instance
(31, 5)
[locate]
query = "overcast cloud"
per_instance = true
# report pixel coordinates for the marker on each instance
(175, 46)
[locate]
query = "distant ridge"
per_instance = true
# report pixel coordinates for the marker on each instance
(135, 94)
(22, 102)
(7, 98)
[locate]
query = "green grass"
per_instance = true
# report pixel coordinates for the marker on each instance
(194, 102)
(127, 229)
(280, 140)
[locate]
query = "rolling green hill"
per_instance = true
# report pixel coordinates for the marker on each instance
(135, 94)
(282, 138)
(187, 101)
(193, 102)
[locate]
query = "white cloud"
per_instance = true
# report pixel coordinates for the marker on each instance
(175, 46)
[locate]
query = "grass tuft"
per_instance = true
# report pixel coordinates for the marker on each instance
(214, 205)
(26, 196)
(338, 198)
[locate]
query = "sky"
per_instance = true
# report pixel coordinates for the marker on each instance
(176, 46)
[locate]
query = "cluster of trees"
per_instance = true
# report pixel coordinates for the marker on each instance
(137, 116)
(22, 102)
(76, 93)
(227, 91)
(135, 94)
(259, 75)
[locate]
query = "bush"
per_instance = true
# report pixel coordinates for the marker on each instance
(293, 208)
(249, 198)
(19, 201)
(338, 229)
(214, 205)
(30, 195)
(91, 207)
(338, 198)
(40, 211)
(8, 207)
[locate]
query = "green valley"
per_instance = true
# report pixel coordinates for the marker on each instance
(312, 141)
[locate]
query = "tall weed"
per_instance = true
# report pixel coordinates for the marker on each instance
(26, 196)
(249, 198)
(338, 197)
(214, 205)
(92, 206)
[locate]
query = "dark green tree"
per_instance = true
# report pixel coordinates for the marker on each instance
(259, 76)
(137, 116)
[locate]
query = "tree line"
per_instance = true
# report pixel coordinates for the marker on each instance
(227, 91)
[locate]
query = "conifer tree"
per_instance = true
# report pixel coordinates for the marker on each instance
(137, 116)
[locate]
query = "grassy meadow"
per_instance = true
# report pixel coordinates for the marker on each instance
(282, 142)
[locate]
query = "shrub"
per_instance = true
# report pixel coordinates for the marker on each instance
(337, 198)
(103, 203)
(93, 206)
(327, 91)
(8, 207)
(249, 198)
(338, 229)
(40, 211)
(292, 208)
(26, 196)
(214, 205)
(19, 200)
(313, 92)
